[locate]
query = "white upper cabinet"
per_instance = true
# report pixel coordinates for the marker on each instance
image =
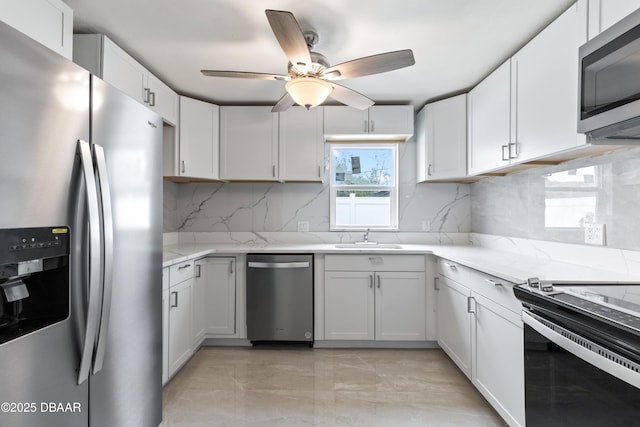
(489, 110)
(527, 108)
(544, 79)
(102, 57)
(162, 99)
(380, 122)
(301, 145)
(49, 22)
(199, 139)
(604, 13)
(248, 144)
(441, 137)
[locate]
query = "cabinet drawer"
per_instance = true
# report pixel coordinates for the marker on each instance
(497, 290)
(374, 262)
(180, 272)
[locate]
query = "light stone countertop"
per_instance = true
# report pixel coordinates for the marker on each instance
(510, 266)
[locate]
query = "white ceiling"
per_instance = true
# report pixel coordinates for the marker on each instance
(455, 42)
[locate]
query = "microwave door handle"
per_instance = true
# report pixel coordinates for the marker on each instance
(617, 370)
(94, 260)
(107, 259)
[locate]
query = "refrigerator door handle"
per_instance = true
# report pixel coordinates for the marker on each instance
(95, 254)
(107, 258)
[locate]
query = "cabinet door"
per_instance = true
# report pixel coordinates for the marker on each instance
(122, 71)
(391, 120)
(498, 358)
(165, 325)
(489, 109)
(180, 341)
(604, 13)
(342, 120)
(163, 100)
(349, 305)
(248, 144)
(545, 87)
(454, 323)
(401, 306)
(49, 22)
(301, 144)
(198, 139)
(220, 314)
(443, 131)
(199, 305)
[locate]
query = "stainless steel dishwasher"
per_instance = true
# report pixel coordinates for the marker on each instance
(280, 298)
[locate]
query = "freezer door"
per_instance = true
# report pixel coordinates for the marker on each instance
(127, 391)
(44, 110)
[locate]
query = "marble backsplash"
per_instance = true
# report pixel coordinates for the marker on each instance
(553, 203)
(275, 207)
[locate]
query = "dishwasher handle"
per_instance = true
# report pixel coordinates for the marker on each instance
(296, 264)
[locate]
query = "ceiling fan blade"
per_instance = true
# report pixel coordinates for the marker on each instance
(373, 64)
(289, 35)
(350, 97)
(243, 75)
(283, 104)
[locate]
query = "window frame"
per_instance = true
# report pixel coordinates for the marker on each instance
(392, 189)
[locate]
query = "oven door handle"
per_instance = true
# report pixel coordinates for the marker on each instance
(590, 356)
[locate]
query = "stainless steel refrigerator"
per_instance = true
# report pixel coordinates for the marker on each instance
(80, 246)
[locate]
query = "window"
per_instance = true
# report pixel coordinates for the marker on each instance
(571, 198)
(364, 183)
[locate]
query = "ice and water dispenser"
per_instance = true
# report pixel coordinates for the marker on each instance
(34, 279)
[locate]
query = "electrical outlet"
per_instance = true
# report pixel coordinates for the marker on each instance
(426, 225)
(303, 226)
(594, 234)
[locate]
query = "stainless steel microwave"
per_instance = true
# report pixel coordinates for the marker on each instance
(609, 101)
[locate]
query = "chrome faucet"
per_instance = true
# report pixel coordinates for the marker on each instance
(366, 236)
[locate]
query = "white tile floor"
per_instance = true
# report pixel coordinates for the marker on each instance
(323, 387)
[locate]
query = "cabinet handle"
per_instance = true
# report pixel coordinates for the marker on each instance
(184, 266)
(319, 171)
(372, 126)
(436, 283)
(493, 282)
(451, 266)
(371, 281)
(515, 150)
(174, 295)
(152, 102)
(379, 280)
(273, 171)
(429, 170)
(147, 94)
(182, 167)
(198, 267)
(505, 149)
(469, 308)
(231, 267)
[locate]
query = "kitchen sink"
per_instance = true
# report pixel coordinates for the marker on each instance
(367, 245)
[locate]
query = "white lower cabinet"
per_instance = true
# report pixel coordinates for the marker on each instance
(377, 304)
(180, 312)
(165, 325)
(454, 323)
(215, 297)
(498, 357)
(480, 329)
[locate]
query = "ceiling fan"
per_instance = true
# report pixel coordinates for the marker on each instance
(310, 78)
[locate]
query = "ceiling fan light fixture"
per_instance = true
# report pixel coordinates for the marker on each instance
(308, 91)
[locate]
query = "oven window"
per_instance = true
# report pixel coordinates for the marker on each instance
(610, 75)
(563, 390)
